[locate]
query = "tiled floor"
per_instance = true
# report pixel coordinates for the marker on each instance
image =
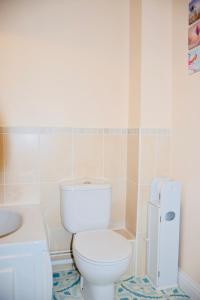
(67, 287)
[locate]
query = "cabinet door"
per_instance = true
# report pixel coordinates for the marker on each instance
(169, 235)
(17, 275)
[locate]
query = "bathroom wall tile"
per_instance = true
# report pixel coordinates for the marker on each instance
(114, 131)
(56, 157)
(154, 131)
(144, 193)
(131, 269)
(141, 254)
(2, 194)
(94, 131)
(118, 210)
(142, 209)
(132, 157)
(22, 193)
(59, 239)
(21, 158)
(124, 155)
(1, 160)
(88, 155)
(147, 159)
(50, 203)
(163, 155)
(115, 156)
(131, 206)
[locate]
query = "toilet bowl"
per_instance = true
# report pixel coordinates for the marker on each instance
(102, 257)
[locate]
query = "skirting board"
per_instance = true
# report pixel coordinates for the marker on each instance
(189, 286)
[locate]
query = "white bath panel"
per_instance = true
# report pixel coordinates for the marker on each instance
(7, 284)
(25, 268)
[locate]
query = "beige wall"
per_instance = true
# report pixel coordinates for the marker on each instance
(64, 63)
(185, 162)
(156, 64)
(150, 63)
(150, 108)
(133, 114)
(135, 64)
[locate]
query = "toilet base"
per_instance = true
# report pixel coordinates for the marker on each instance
(98, 292)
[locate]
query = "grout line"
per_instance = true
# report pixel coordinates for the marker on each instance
(138, 198)
(4, 172)
(39, 168)
(156, 154)
(103, 155)
(73, 154)
(124, 148)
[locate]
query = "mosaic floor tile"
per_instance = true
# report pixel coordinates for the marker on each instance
(66, 286)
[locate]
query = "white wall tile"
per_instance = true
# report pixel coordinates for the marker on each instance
(21, 157)
(55, 157)
(22, 193)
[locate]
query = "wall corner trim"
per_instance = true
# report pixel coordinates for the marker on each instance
(188, 285)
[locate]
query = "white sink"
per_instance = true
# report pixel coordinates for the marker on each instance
(10, 221)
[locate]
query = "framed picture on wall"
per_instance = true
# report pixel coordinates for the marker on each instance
(194, 11)
(194, 36)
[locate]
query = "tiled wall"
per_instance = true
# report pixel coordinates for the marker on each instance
(34, 161)
(132, 179)
(153, 161)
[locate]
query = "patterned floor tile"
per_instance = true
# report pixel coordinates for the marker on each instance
(66, 286)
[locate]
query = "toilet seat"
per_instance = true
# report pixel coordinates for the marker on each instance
(101, 247)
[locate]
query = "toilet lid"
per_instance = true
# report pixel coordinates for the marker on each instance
(102, 246)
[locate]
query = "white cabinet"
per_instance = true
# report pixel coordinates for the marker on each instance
(163, 232)
(25, 276)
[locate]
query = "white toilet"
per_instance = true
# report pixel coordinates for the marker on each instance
(101, 255)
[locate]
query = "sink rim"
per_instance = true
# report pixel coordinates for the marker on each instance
(15, 220)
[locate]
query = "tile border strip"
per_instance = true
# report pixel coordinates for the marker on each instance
(155, 131)
(96, 131)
